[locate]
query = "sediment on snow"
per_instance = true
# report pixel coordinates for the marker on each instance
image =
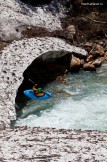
(44, 144)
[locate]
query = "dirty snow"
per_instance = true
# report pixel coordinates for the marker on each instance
(36, 144)
(16, 16)
(39, 144)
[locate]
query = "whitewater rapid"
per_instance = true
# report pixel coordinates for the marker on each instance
(85, 108)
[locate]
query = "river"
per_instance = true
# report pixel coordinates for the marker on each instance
(84, 107)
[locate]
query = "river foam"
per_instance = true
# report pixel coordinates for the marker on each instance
(85, 109)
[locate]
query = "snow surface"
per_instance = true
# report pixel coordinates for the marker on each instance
(16, 15)
(44, 144)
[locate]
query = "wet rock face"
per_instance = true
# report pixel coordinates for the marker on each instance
(48, 66)
(36, 2)
(75, 64)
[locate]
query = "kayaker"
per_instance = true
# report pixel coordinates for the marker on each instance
(38, 91)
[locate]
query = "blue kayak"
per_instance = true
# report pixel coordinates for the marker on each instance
(30, 93)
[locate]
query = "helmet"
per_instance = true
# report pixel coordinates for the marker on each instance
(39, 90)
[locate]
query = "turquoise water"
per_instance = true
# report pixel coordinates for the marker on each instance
(81, 105)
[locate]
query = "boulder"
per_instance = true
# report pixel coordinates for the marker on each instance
(89, 67)
(75, 64)
(89, 58)
(82, 62)
(88, 44)
(105, 56)
(97, 62)
(71, 29)
(97, 51)
(70, 32)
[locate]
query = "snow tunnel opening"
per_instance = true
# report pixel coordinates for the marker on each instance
(43, 70)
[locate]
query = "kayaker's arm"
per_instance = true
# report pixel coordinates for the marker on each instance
(35, 87)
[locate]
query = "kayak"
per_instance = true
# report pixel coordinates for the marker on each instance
(30, 93)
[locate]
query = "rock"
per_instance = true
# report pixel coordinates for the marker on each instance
(97, 62)
(62, 78)
(97, 51)
(80, 55)
(70, 32)
(75, 64)
(88, 44)
(89, 58)
(52, 56)
(82, 62)
(101, 43)
(71, 29)
(89, 67)
(105, 56)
